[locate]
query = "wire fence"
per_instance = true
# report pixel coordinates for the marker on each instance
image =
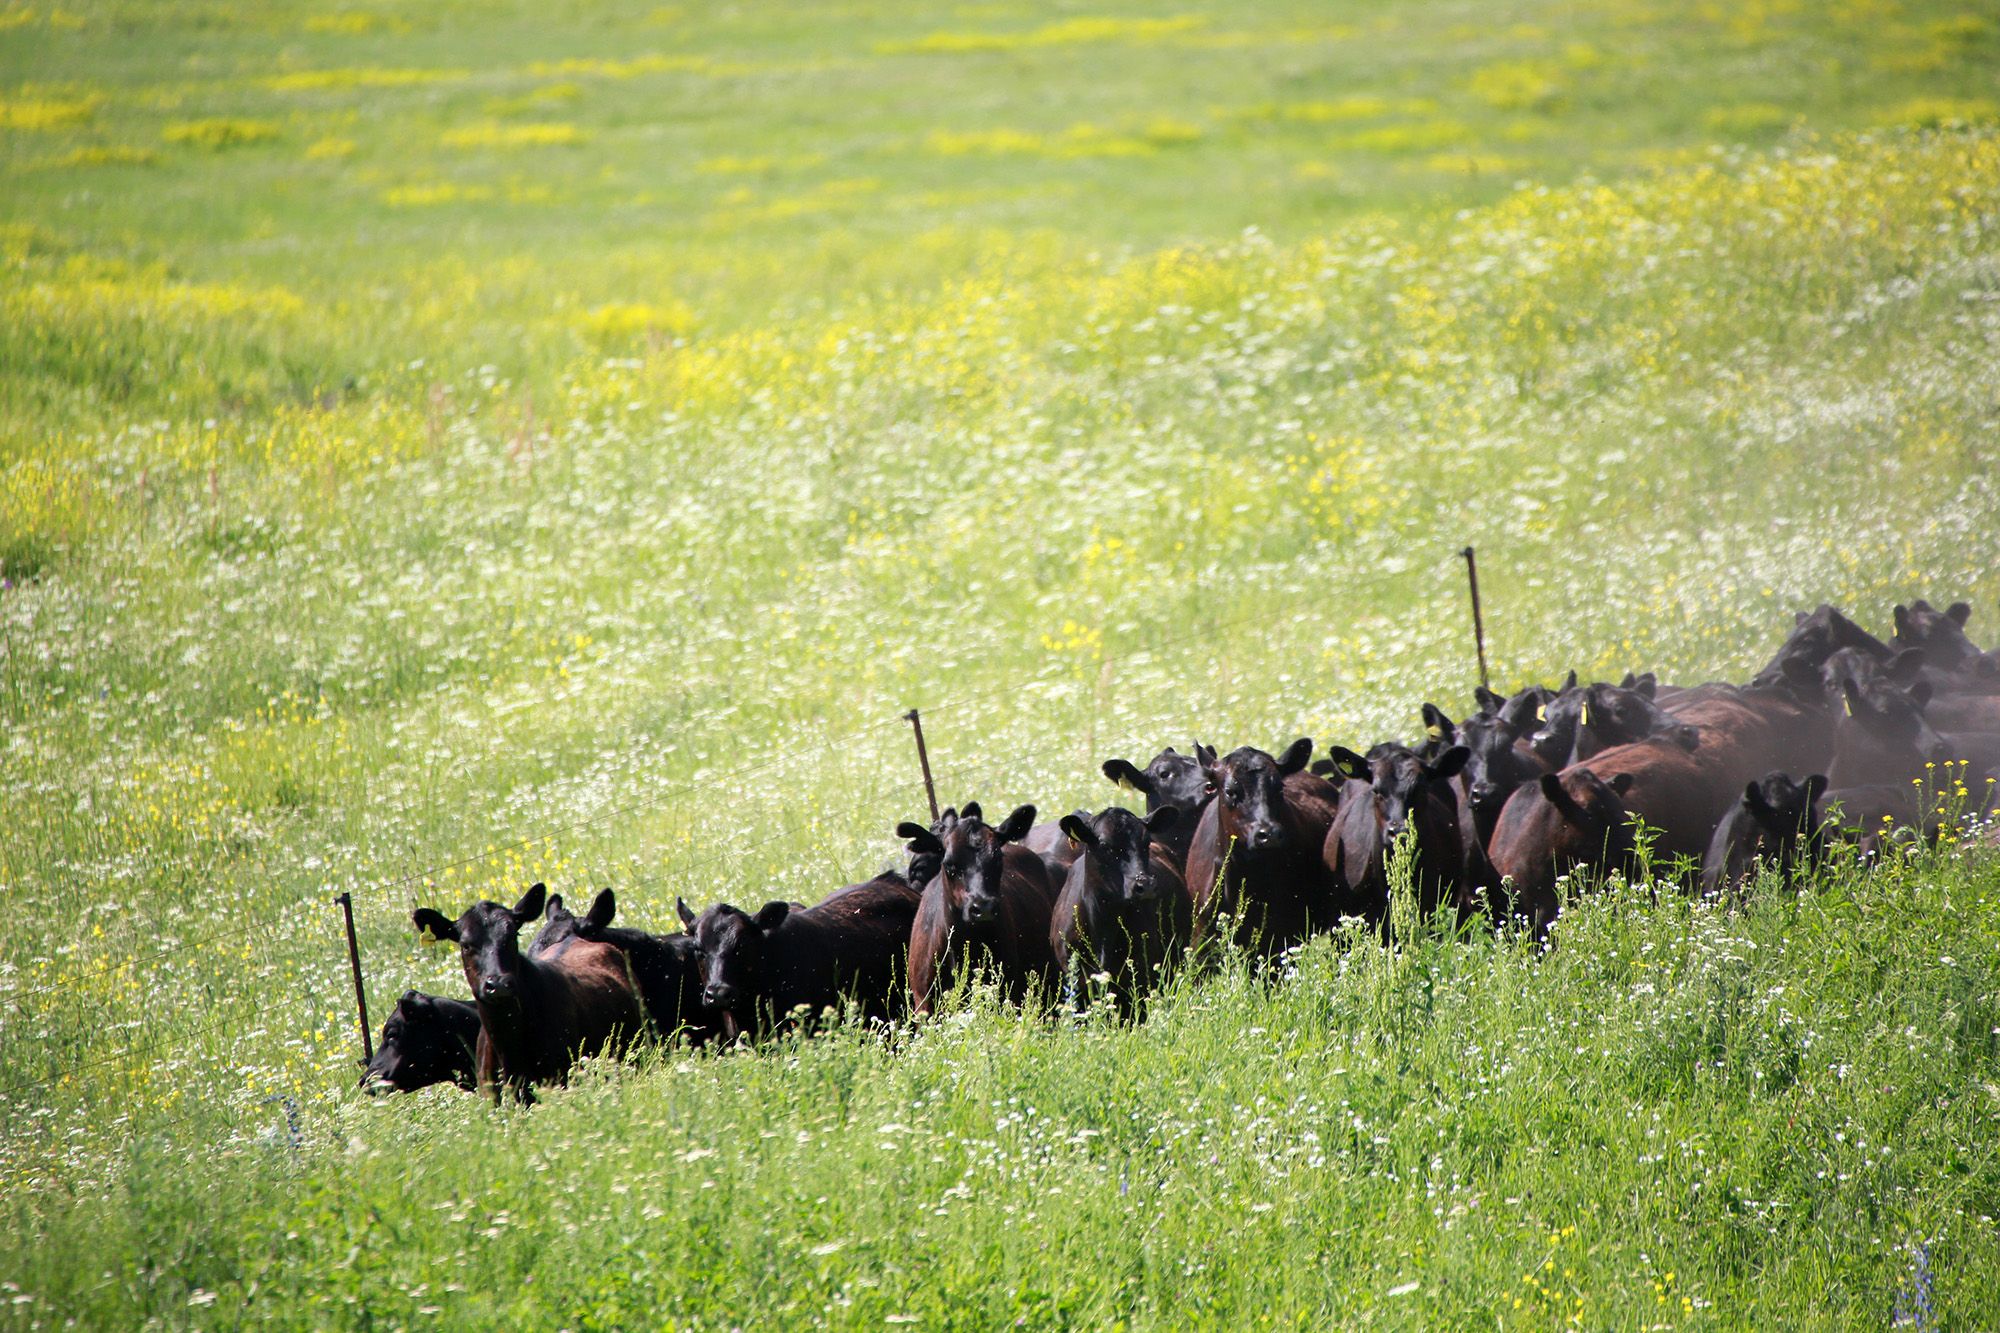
(378, 889)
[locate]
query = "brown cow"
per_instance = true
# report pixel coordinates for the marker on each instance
(989, 904)
(1556, 824)
(1256, 853)
(537, 1015)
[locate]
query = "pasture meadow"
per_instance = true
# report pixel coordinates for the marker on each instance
(443, 448)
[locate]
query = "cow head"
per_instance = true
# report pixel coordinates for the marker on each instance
(1784, 809)
(1119, 848)
(970, 859)
(1402, 780)
(1495, 766)
(1941, 634)
(1815, 637)
(732, 944)
(1611, 715)
(560, 925)
(1250, 796)
(1883, 730)
(1171, 780)
(421, 1044)
(488, 938)
(1589, 804)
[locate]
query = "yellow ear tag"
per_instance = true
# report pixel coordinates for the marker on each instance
(424, 935)
(1583, 716)
(1435, 733)
(1846, 705)
(1541, 713)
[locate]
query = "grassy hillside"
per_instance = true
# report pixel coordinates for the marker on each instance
(441, 449)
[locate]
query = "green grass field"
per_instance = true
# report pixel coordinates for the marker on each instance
(447, 446)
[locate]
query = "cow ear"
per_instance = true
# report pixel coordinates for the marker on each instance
(1296, 754)
(1451, 763)
(1077, 829)
(1647, 685)
(602, 908)
(1902, 617)
(1904, 666)
(1630, 682)
(432, 925)
(1122, 772)
(1569, 682)
(1349, 764)
(1753, 799)
(1960, 612)
(1558, 795)
(1621, 783)
(1488, 701)
(681, 908)
(772, 915)
(1324, 768)
(1815, 789)
(1851, 697)
(1164, 819)
(1438, 726)
(1920, 694)
(532, 902)
(970, 810)
(920, 839)
(1015, 826)
(1204, 755)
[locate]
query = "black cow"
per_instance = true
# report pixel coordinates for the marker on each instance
(536, 1015)
(1171, 780)
(1778, 823)
(1256, 850)
(1124, 912)
(989, 903)
(1396, 788)
(850, 946)
(428, 1039)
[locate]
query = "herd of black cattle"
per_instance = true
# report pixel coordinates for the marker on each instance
(1842, 737)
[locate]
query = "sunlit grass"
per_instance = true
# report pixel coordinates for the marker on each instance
(585, 498)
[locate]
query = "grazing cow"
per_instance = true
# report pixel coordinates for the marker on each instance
(428, 1039)
(666, 968)
(1582, 723)
(989, 904)
(1256, 850)
(536, 1015)
(1171, 779)
(1124, 911)
(1778, 823)
(1556, 824)
(851, 945)
(1397, 788)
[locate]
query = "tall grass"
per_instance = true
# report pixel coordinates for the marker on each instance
(531, 537)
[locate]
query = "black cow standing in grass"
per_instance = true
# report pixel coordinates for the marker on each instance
(1779, 824)
(989, 904)
(1124, 912)
(666, 968)
(1255, 857)
(1172, 780)
(537, 1016)
(1390, 791)
(850, 946)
